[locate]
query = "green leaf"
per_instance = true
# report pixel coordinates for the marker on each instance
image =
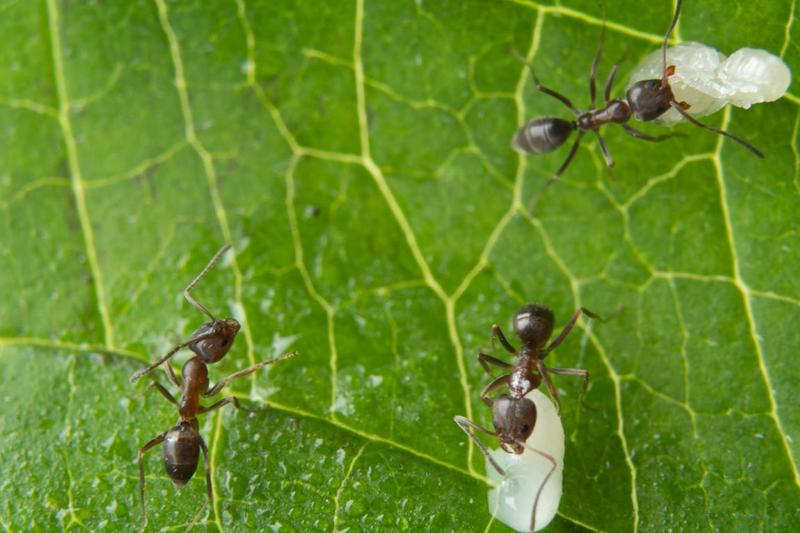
(357, 157)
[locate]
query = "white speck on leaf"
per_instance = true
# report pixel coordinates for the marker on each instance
(340, 455)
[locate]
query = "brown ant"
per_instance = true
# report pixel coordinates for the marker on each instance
(646, 100)
(183, 443)
(514, 415)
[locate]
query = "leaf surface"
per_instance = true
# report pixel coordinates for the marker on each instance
(356, 155)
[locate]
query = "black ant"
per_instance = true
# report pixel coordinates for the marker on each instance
(183, 443)
(646, 100)
(514, 415)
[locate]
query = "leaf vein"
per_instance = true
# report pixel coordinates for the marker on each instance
(397, 212)
(615, 378)
(75, 170)
(308, 283)
(746, 294)
(343, 484)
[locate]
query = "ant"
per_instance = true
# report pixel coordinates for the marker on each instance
(514, 415)
(183, 443)
(646, 100)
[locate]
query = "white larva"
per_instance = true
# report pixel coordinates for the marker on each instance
(707, 80)
(512, 500)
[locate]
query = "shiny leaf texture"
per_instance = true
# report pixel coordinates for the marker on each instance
(356, 154)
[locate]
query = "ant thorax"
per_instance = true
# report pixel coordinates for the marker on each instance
(707, 80)
(520, 384)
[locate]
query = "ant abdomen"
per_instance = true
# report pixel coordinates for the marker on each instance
(181, 452)
(533, 324)
(542, 135)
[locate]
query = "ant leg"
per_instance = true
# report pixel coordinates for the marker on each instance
(543, 371)
(568, 328)
(172, 377)
(209, 490)
(593, 75)
(154, 442)
(465, 424)
(222, 403)
(612, 75)
(499, 382)
(497, 333)
(633, 132)
(164, 392)
(196, 517)
(574, 372)
(544, 481)
(140, 373)
(567, 161)
(224, 381)
(677, 106)
(485, 359)
(558, 96)
(604, 149)
(610, 83)
(200, 276)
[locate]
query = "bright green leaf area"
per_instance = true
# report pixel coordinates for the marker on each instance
(356, 155)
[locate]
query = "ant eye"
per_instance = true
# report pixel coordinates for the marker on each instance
(525, 428)
(224, 342)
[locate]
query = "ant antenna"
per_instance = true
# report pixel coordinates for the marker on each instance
(597, 55)
(544, 481)
(680, 109)
(666, 38)
(200, 276)
(561, 98)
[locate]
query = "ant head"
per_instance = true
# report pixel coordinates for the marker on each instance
(219, 339)
(649, 99)
(514, 420)
(533, 324)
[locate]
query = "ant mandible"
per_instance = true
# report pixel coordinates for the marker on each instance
(183, 443)
(514, 415)
(646, 100)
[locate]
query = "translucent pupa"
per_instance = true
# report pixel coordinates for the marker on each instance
(708, 81)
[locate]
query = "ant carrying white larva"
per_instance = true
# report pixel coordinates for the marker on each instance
(646, 100)
(514, 415)
(708, 81)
